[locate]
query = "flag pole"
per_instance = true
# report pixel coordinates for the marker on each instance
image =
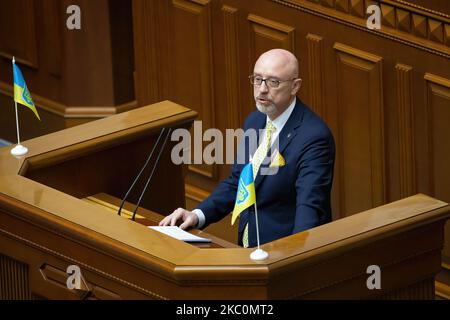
(257, 225)
(18, 150)
(258, 254)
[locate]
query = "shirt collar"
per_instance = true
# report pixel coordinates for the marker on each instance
(281, 120)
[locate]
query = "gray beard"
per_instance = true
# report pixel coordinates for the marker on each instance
(269, 110)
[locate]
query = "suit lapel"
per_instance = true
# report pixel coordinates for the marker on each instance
(289, 129)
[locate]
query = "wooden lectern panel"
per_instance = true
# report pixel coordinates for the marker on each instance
(48, 222)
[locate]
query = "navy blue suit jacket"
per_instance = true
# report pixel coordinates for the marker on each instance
(294, 199)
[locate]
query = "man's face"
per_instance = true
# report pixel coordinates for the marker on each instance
(269, 100)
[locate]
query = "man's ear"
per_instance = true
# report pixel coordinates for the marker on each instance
(296, 86)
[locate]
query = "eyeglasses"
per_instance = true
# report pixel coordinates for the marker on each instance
(270, 82)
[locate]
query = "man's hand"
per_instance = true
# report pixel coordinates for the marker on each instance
(188, 218)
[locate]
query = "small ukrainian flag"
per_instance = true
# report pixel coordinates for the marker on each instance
(245, 196)
(21, 93)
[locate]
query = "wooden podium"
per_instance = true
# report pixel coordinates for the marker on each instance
(58, 209)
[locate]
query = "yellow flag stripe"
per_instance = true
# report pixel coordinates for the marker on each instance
(18, 91)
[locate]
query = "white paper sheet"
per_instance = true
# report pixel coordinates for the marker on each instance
(179, 234)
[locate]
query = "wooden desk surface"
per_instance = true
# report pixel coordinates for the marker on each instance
(147, 218)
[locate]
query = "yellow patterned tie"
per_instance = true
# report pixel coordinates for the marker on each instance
(257, 159)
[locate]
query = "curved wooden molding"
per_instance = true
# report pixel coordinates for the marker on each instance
(44, 249)
(66, 111)
(418, 7)
(429, 32)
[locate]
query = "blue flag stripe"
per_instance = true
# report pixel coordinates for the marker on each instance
(247, 175)
(18, 77)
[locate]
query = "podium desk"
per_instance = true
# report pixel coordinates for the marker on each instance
(57, 210)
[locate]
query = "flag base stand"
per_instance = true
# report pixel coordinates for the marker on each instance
(258, 255)
(19, 150)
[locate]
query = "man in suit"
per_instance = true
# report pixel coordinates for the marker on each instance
(297, 196)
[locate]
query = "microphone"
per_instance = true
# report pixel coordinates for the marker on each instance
(151, 174)
(140, 172)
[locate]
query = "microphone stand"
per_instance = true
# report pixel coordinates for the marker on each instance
(140, 172)
(151, 174)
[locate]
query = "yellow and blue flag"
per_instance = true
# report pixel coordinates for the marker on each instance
(21, 93)
(245, 196)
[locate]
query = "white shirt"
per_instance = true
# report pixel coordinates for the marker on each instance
(278, 123)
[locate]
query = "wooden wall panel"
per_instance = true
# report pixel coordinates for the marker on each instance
(232, 73)
(406, 130)
(360, 139)
(266, 34)
(191, 75)
(122, 52)
(73, 75)
(17, 21)
(148, 19)
(52, 36)
(437, 6)
(316, 73)
(438, 113)
(437, 118)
